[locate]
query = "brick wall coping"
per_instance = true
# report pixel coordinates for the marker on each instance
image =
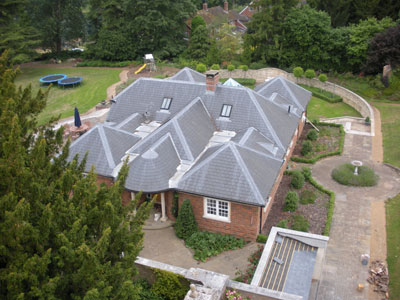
(314, 240)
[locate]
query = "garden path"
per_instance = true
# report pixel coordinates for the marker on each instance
(352, 227)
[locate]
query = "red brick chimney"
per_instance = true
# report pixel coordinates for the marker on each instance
(212, 79)
(226, 6)
(205, 5)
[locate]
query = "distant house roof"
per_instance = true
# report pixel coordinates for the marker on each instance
(176, 136)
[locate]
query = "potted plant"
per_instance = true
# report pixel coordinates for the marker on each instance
(367, 121)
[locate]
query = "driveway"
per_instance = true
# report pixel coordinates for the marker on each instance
(351, 231)
(162, 245)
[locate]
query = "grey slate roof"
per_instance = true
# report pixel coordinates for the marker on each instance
(105, 147)
(231, 171)
(242, 170)
(151, 171)
(287, 89)
(187, 74)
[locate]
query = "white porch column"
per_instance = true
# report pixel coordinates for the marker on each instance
(163, 215)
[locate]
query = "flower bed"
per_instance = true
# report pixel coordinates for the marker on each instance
(253, 259)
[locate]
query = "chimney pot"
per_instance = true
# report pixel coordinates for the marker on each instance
(226, 6)
(212, 79)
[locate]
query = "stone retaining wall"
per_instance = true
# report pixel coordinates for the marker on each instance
(352, 99)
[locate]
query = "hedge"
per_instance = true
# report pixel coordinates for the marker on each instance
(322, 155)
(322, 94)
(242, 81)
(331, 204)
(109, 64)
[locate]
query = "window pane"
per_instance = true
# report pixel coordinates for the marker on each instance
(223, 209)
(211, 207)
(166, 103)
(226, 110)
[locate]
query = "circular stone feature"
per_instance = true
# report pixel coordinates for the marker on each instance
(344, 174)
(52, 78)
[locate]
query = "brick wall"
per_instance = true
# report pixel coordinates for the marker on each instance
(244, 223)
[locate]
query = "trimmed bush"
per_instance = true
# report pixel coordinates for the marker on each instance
(215, 67)
(185, 224)
(201, 68)
(322, 77)
(206, 244)
(244, 67)
(231, 68)
(312, 135)
(344, 174)
(306, 148)
(169, 285)
(306, 172)
(262, 238)
(297, 180)
(307, 197)
(298, 72)
(291, 202)
(309, 73)
(300, 223)
(283, 224)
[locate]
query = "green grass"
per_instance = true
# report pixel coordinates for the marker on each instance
(344, 174)
(393, 245)
(62, 101)
(318, 108)
(390, 118)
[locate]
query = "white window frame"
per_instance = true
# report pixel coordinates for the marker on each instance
(226, 111)
(217, 217)
(166, 104)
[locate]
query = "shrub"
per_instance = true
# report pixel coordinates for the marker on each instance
(306, 172)
(257, 65)
(300, 223)
(262, 238)
(309, 73)
(231, 68)
(244, 67)
(185, 224)
(201, 68)
(344, 174)
(234, 295)
(367, 120)
(253, 260)
(283, 224)
(169, 285)
(291, 202)
(297, 180)
(206, 244)
(215, 67)
(175, 205)
(306, 148)
(307, 197)
(145, 291)
(322, 77)
(298, 72)
(312, 135)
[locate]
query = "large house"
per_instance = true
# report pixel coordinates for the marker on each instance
(222, 146)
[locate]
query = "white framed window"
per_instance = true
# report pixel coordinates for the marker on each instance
(166, 103)
(217, 209)
(226, 110)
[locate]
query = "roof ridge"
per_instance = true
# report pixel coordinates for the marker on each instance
(189, 74)
(266, 121)
(182, 138)
(126, 120)
(294, 98)
(246, 135)
(106, 147)
(248, 176)
(120, 130)
(259, 152)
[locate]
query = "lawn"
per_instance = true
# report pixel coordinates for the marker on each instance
(62, 101)
(318, 108)
(393, 245)
(390, 117)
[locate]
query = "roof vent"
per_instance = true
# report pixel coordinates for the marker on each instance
(289, 109)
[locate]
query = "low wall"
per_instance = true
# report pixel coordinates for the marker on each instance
(352, 99)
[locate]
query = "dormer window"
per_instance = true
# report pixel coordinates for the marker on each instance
(226, 110)
(166, 103)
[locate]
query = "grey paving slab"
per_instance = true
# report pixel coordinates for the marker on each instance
(350, 234)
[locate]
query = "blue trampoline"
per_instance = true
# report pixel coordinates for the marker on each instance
(70, 81)
(52, 78)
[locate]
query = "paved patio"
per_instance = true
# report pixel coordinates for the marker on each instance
(350, 235)
(162, 245)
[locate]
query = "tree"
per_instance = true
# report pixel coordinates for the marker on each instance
(186, 223)
(199, 44)
(359, 38)
(61, 235)
(307, 31)
(16, 33)
(198, 21)
(58, 21)
(228, 42)
(265, 30)
(339, 10)
(213, 55)
(384, 49)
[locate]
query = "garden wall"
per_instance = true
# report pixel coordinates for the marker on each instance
(348, 96)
